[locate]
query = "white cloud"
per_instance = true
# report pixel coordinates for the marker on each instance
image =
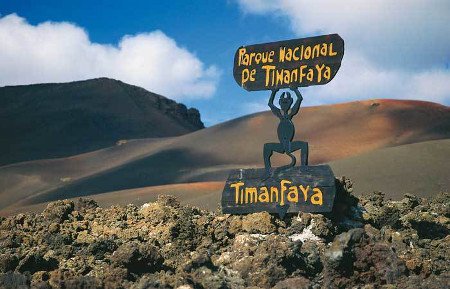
(60, 51)
(255, 106)
(258, 6)
(393, 49)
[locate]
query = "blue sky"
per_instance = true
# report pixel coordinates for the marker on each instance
(393, 50)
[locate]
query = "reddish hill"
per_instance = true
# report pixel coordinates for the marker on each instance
(333, 131)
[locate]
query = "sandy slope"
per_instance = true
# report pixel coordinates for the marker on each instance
(205, 195)
(420, 169)
(334, 132)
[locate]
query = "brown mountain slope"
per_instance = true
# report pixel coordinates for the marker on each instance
(62, 119)
(334, 132)
(420, 169)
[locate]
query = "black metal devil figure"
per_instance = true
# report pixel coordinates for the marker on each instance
(286, 131)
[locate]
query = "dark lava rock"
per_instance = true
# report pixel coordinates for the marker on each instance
(258, 223)
(293, 283)
(14, 280)
(82, 282)
(137, 257)
(378, 263)
(340, 254)
(100, 248)
(366, 242)
(58, 211)
(85, 204)
(8, 262)
(311, 252)
(35, 261)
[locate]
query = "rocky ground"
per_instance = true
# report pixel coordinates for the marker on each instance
(364, 243)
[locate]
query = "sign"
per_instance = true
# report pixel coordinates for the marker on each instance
(304, 188)
(288, 189)
(290, 63)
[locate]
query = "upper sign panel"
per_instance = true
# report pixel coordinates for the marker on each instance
(297, 62)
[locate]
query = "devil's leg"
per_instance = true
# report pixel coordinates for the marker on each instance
(304, 154)
(269, 148)
(304, 151)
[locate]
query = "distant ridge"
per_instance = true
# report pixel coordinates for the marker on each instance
(61, 119)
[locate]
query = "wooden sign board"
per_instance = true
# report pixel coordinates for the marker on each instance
(304, 188)
(297, 62)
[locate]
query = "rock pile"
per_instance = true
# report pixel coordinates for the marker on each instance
(364, 243)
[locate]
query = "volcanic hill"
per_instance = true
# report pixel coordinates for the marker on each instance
(62, 119)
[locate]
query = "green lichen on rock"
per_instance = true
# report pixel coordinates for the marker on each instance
(368, 242)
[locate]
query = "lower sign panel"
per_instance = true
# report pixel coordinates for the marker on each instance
(306, 188)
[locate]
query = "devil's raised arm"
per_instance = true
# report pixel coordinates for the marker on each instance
(297, 92)
(299, 100)
(272, 97)
(273, 108)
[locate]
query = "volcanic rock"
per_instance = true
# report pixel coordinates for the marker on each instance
(368, 242)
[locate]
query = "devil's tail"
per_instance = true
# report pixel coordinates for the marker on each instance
(293, 160)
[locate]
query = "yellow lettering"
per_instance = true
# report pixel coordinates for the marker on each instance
(327, 73)
(294, 75)
(279, 77)
(264, 57)
(289, 54)
(236, 187)
(315, 51)
(319, 72)
(295, 57)
(252, 194)
(324, 49)
(273, 190)
(251, 57)
(305, 192)
(252, 74)
(283, 189)
(268, 69)
(271, 54)
(332, 53)
(302, 73)
(241, 55)
(287, 76)
(245, 76)
(258, 57)
(293, 194)
(282, 53)
(317, 198)
(307, 53)
(310, 75)
(263, 195)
